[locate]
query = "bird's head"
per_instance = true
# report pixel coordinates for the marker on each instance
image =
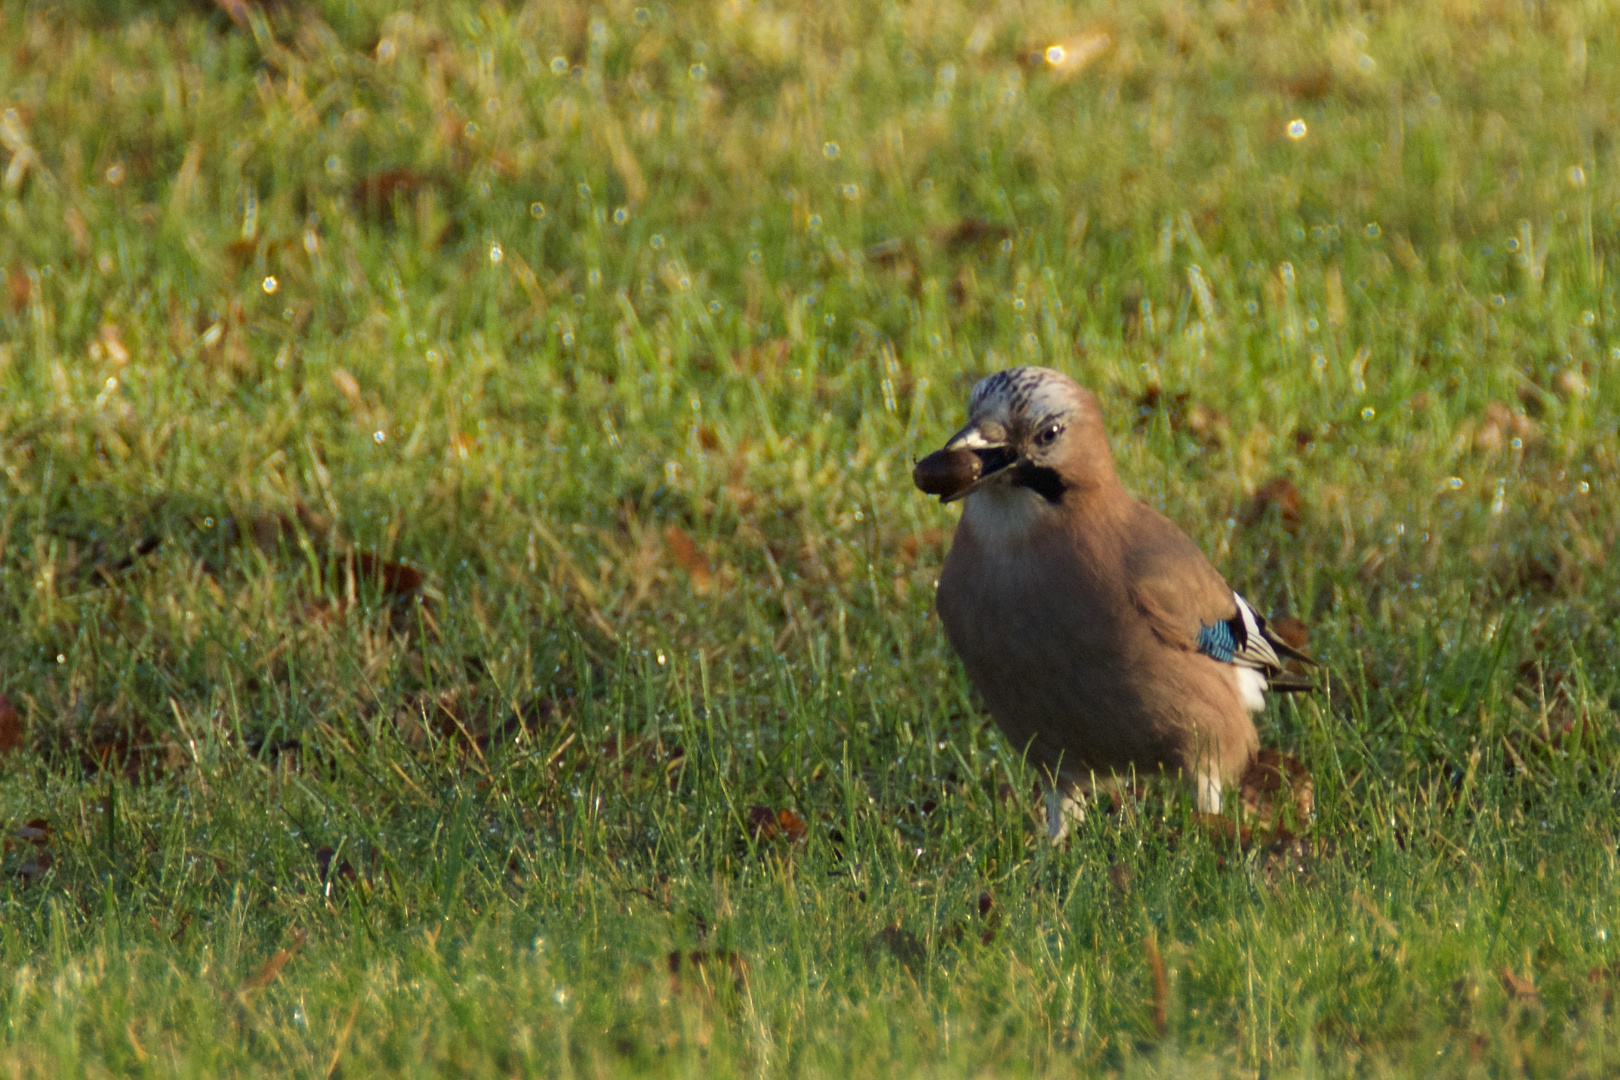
(1028, 428)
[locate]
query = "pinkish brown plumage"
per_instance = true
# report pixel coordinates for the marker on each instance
(1098, 634)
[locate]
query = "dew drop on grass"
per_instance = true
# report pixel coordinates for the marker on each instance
(270, 284)
(559, 65)
(61, 658)
(662, 659)
(620, 216)
(1454, 483)
(1368, 413)
(657, 241)
(1296, 129)
(830, 151)
(379, 436)
(495, 253)
(537, 210)
(1577, 176)
(1373, 231)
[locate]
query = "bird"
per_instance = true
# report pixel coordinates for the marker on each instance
(1099, 636)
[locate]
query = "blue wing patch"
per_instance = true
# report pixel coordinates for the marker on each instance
(1218, 641)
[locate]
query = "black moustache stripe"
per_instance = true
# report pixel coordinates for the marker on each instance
(1042, 481)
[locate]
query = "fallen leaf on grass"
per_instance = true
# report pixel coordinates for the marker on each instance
(35, 835)
(1519, 986)
(1203, 423)
(375, 195)
(272, 967)
(1279, 494)
(19, 288)
(972, 233)
(240, 12)
(397, 580)
(324, 857)
(913, 544)
(767, 824)
(1501, 424)
(11, 728)
(1310, 85)
(686, 552)
(34, 866)
(1274, 782)
(348, 386)
(1161, 985)
(989, 916)
(903, 945)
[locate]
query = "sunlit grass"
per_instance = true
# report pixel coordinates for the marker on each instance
(623, 325)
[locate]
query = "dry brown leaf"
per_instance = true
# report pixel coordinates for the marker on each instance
(240, 11)
(691, 558)
(1519, 986)
(1271, 778)
(913, 544)
(11, 727)
(1161, 985)
(375, 195)
(1280, 494)
(397, 580)
(792, 826)
(903, 945)
(348, 385)
(19, 288)
(972, 233)
(1501, 424)
(272, 967)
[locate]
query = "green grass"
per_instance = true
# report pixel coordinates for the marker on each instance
(623, 326)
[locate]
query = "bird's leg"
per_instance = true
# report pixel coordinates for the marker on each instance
(1066, 798)
(1207, 791)
(1061, 809)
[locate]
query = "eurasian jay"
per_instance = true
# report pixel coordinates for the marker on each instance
(1097, 633)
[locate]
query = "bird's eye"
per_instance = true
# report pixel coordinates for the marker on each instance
(1047, 435)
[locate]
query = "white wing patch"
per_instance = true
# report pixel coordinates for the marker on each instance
(1251, 688)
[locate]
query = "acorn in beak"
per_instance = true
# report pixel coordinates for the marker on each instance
(967, 462)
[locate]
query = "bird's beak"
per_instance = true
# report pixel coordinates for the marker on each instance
(968, 461)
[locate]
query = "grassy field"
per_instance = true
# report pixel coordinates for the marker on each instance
(467, 612)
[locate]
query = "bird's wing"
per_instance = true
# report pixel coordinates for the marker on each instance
(1190, 606)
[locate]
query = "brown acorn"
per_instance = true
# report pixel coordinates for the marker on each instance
(946, 473)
